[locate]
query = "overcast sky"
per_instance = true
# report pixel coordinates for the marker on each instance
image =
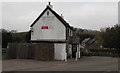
(88, 15)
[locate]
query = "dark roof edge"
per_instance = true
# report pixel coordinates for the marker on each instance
(38, 17)
(45, 41)
(58, 16)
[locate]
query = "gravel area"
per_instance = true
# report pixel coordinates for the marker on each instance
(84, 64)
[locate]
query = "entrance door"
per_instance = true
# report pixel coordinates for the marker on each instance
(74, 50)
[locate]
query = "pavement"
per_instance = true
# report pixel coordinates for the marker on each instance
(83, 64)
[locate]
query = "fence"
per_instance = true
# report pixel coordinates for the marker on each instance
(43, 51)
(21, 50)
(105, 52)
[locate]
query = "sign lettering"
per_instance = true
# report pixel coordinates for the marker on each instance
(44, 27)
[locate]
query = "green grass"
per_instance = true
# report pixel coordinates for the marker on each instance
(4, 55)
(0, 57)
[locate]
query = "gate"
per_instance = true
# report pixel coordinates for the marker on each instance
(44, 51)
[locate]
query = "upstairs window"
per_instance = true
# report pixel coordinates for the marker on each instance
(47, 12)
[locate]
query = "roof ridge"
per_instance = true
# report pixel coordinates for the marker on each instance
(56, 14)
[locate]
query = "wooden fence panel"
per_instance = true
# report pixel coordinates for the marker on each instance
(44, 51)
(12, 50)
(31, 51)
(21, 50)
(39, 51)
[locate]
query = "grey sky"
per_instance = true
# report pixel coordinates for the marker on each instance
(88, 15)
(60, 0)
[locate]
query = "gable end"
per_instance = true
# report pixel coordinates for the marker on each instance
(58, 16)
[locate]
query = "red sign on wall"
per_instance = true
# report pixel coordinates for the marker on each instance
(44, 27)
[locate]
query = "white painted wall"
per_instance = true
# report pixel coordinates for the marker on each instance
(56, 31)
(60, 50)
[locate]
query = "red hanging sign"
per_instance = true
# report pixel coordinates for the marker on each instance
(44, 27)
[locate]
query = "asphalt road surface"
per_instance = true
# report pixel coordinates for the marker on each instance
(83, 64)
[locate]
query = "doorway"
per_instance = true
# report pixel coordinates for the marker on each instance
(74, 50)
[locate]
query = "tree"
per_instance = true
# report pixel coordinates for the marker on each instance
(28, 36)
(112, 37)
(19, 37)
(99, 39)
(84, 36)
(6, 38)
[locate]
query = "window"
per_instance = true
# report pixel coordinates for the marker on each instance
(48, 13)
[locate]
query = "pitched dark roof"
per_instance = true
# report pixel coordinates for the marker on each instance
(58, 16)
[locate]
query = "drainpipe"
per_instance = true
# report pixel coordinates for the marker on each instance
(76, 56)
(79, 51)
(65, 57)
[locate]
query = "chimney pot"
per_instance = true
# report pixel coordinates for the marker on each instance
(49, 3)
(62, 16)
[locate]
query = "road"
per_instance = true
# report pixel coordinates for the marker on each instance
(83, 64)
